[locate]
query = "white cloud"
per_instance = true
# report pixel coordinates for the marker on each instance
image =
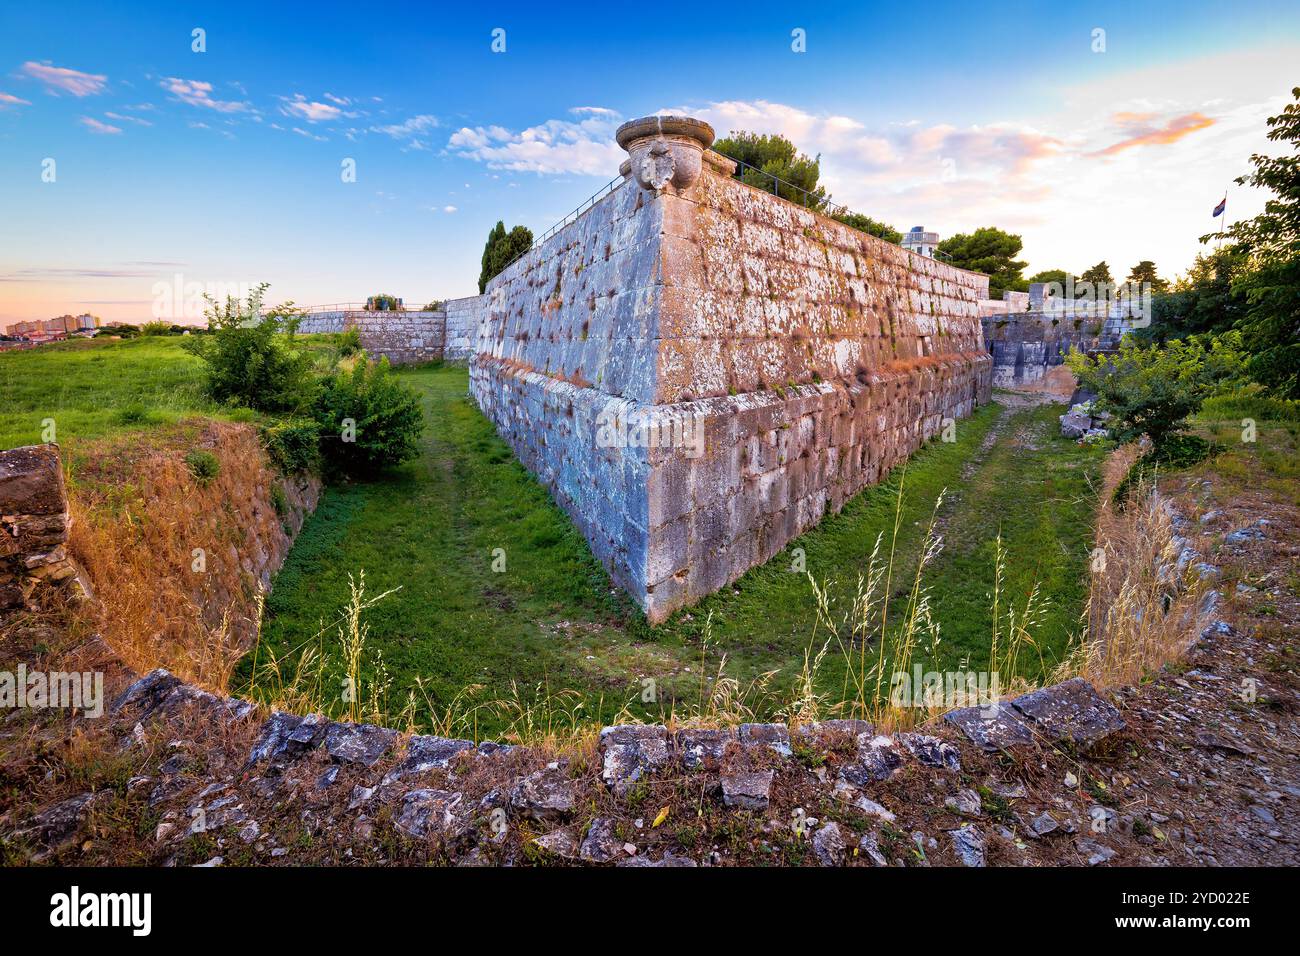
(199, 93)
(95, 126)
(449, 209)
(8, 99)
(128, 119)
(410, 128)
(313, 111)
(583, 146)
(302, 132)
(1127, 168)
(61, 79)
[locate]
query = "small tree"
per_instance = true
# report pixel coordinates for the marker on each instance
(1059, 276)
(501, 249)
(1098, 275)
(1271, 326)
(992, 252)
(1153, 391)
(771, 156)
(1145, 271)
(251, 357)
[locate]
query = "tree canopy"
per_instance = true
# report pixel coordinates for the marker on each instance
(1059, 276)
(1271, 241)
(501, 249)
(774, 155)
(1098, 274)
(991, 251)
(1145, 271)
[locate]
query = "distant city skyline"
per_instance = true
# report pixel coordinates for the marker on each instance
(145, 147)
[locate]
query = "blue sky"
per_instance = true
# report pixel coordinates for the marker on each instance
(224, 166)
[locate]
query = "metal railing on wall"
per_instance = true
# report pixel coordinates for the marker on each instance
(582, 207)
(811, 199)
(356, 307)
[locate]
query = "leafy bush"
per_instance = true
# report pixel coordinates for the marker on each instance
(434, 306)
(252, 358)
(293, 444)
(382, 302)
(349, 342)
(119, 331)
(156, 328)
(774, 155)
(1153, 391)
(368, 419)
(203, 465)
(872, 227)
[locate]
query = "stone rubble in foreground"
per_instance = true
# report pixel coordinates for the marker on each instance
(354, 782)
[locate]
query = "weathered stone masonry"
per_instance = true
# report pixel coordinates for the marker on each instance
(697, 370)
(34, 523)
(406, 338)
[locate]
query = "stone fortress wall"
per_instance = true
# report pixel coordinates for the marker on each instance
(1027, 332)
(697, 369)
(409, 337)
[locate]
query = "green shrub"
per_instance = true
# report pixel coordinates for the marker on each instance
(156, 328)
(368, 419)
(1178, 451)
(252, 358)
(501, 249)
(203, 465)
(1152, 390)
(278, 500)
(349, 343)
(293, 444)
(434, 306)
(382, 302)
(135, 414)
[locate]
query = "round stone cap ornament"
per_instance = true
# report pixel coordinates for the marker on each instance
(665, 150)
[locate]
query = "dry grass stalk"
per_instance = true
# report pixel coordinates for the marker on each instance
(1140, 615)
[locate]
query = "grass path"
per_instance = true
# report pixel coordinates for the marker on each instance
(553, 619)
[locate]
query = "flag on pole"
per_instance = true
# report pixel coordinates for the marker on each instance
(1223, 204)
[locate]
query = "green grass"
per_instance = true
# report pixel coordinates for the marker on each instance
(553, 619)
(91, 387)
(94, 387)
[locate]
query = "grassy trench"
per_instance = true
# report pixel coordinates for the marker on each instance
(550, 626)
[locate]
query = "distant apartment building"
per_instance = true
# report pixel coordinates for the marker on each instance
(61, 327)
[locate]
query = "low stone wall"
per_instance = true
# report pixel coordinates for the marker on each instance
(404, 338)
(697, 369)
(34, 523)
